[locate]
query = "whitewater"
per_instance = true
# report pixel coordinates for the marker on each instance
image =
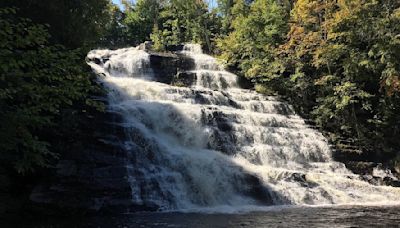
(213, 145)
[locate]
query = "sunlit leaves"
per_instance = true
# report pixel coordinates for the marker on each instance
(185, 21)
(257, 29)
(339, 61)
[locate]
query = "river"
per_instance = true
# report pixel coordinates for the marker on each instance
(276, 216)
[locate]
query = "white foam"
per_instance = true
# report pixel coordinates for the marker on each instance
(186, 161)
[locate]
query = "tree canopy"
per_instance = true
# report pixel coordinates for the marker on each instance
(42, 81)
(336, 61)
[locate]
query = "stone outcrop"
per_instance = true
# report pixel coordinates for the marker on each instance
(90, 179)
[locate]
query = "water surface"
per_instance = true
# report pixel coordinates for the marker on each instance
(340, 216)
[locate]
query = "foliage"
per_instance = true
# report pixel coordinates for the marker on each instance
(71, 23)
(257, 30)
(115, 34)
(38, 82)
(337, 61)
(183, 21)
(165, 22)
(141, 18)
(225, 9)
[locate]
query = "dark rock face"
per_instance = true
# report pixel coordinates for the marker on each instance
(184, 79)
(88, 178)
(365, 170)
(175, 48)
(93, 179)
(164, 66)
(147, 45)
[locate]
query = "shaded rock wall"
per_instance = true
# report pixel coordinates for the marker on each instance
(90, 179)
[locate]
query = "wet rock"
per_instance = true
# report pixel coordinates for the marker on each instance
(175, 48)
(164, 66)
(378, 181)
(66, 168)
(360, 167)
(184, 79)
(391, 182)
(91, 178)
(261, 192)
(224, 126)
(146, 46)
(97, 61)
(301, 178)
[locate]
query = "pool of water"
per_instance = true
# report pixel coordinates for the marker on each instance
(339, 216)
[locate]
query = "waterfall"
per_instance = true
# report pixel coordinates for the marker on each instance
(213, 144)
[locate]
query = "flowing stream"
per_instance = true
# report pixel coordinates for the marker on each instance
(214, 146)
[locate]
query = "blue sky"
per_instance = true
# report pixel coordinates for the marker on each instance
(117, 2)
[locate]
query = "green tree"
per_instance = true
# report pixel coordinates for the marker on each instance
(225, 10)
(141, 18)
(186, 21)
(115, 34)
(71, 23)
(362, 66)
(38, 82)
(335, 60)
(258, 29)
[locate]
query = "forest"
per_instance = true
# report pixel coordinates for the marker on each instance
(336, 61)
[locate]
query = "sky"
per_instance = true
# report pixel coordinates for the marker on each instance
(117, 2)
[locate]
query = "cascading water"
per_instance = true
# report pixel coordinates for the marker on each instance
(213, 144)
